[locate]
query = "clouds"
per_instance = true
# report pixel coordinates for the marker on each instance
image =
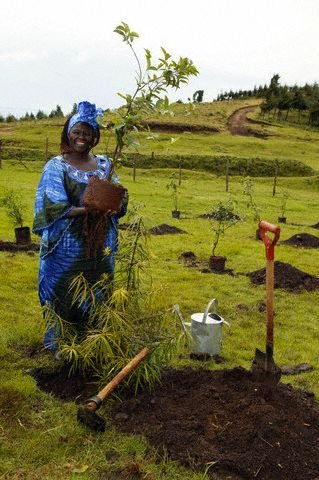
(64, 51)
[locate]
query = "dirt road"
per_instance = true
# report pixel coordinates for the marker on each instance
(237, 123)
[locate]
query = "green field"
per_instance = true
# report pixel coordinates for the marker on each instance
(39, 433)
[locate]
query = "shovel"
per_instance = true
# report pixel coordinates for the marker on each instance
(87, 413)
(263, 366)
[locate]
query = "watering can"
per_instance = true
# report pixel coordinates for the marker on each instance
(206, 329)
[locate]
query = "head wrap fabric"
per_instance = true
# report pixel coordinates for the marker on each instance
(87, 112)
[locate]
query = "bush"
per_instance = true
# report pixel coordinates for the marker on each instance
(253, 167)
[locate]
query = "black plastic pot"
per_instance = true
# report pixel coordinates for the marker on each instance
(217, 263)
(23, 235)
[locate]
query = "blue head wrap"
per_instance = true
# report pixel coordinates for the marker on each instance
(87, 112)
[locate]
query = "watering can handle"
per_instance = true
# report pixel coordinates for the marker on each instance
(265, 227)
(215, 302)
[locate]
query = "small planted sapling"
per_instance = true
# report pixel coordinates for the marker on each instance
(284, 198)
(249, 193)
(173, 187)
(15, 208)
(224, 216)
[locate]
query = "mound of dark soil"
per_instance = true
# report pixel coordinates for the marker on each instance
(165, 229)
(189, 259)
(302, 240)
(15, 247)
(62, 385)
(225, 420)
(288, 277)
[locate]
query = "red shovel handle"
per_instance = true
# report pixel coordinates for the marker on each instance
(265, 227)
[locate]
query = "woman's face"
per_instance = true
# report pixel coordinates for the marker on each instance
(81, 137)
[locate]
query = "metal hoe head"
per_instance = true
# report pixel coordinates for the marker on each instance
(90, 418)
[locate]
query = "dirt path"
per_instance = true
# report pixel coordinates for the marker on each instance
(237, 123)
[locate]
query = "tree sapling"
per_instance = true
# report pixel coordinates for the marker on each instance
(224, 217)
(15, 208)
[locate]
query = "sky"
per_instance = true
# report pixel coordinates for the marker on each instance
(60, 52)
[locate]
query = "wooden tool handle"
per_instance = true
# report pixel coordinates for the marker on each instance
(270, 306)
(108, 389)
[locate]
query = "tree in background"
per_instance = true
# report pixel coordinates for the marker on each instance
(198, 96)
(57, 113)
(41, 115)
(11, 118)
(74, 109)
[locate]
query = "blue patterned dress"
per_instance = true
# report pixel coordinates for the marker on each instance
(62, 245)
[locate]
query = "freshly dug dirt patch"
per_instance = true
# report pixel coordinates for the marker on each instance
(225, 419)
(68, 388)
(288, 277)
(15, 247)
(189, 259)
(165, 229)
(243, 428)
(305, 240)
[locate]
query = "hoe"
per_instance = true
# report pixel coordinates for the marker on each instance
(87, 412)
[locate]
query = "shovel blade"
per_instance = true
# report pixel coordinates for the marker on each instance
(264, 368)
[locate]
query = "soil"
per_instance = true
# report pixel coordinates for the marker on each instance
(241, 427)
(237, 123)
(288, 277)
(68, 388)
(165, 229)
(15, 247)
(189, 259)
(305, 240)
(316, 225)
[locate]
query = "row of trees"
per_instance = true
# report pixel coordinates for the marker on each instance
(40, 115)
(256, 92)
(280, 100)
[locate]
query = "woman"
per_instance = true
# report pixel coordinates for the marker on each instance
(63, 222)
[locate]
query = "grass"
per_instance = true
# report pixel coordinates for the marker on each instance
(39, 433)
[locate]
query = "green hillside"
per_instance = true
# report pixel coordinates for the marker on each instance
(196, 132)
